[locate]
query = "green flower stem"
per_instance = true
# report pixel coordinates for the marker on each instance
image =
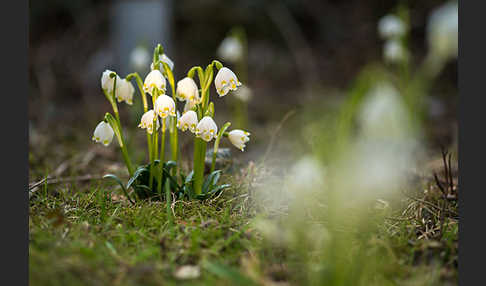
(199, 156)
(168, 200)
(173, 130)
(145, 106)
(216, 144)
(154, 140)
(123, 146)
(161, 161)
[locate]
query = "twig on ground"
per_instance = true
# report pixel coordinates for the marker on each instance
(274, 135)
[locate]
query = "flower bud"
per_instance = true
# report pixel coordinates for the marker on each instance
(107, 81)
(103, 133)
(225, 81)
(124, 91)
(239, 138)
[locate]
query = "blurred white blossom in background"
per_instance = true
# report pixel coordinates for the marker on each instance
(391, 26)
(442, 31)
(230, 50)
(140, 58)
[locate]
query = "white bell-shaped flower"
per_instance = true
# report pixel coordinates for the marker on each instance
(394, 52)
(230, 50)
(239, 138)
(206, 129)
(187, 90)
(391, 26)
(165, 106)
(103, 133)
(124, 91)
(147, 121)
(107, 81)
(442, 31)
(154, 79)
(225, 81)
(188, 121)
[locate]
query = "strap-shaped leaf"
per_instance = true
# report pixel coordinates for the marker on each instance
(135, 176)
(111, 176)
(210, 181)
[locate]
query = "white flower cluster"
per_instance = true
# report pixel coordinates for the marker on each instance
(392, 29)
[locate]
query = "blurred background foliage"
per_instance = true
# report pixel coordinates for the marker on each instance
(299, 52)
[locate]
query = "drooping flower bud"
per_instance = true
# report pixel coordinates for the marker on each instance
(225, 81)
(107, 81)
(239, 138)
(103, 133)
(124, 91)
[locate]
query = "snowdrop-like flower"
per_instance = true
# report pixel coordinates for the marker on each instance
(164, 58)
(107, 82)
(124, 91)
(391, 26)
(206, 129)
(225, 81)
(230, 49)
(103, 133)
(394, 52)
(139, 58)
(239, 138)
(442, 31)
(165, 106)
(188, 121)
(154, 79)
(147, 121)
(187, 90)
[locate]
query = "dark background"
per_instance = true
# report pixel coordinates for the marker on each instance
(293, 45)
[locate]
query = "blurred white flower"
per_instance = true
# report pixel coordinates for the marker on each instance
(187, 272)
(394, 52)
(230, 50)
(383, 113)
(164, 58)
(239, 138)
(307, 174)
(187, 90)
(107, 82)
(225, 81)
(124, 91)
(165, 106)
(391, 26)
(442, 31)
(154, 79)
(139, 58)
(103, 133)
(188, 121)
(147, 121)
(244, 93)
(206, 129)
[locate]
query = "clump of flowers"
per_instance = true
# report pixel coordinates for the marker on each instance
(158, 175)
